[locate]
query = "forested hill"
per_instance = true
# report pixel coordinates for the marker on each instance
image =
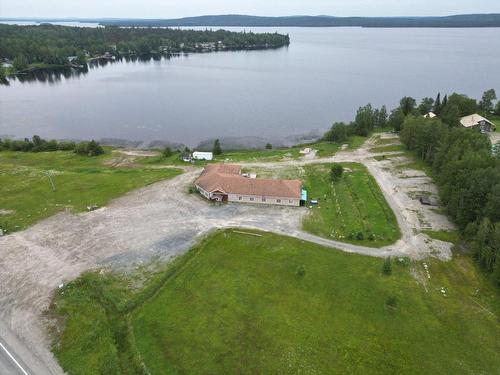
(52, 44)
(469, 20)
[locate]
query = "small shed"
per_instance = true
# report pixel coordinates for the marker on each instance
(198, 155)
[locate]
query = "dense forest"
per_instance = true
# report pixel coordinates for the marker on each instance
(466, 169)
(57, 45)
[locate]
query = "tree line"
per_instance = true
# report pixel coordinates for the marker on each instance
(38, 144)
(367, 119)
(466, 170)
(51, 44)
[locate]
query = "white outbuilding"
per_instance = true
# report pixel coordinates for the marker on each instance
(198, 155)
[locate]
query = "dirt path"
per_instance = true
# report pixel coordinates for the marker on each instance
(163, 220)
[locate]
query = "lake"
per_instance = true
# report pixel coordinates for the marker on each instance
(322, 77)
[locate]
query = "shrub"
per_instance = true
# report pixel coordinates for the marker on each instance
(336, 172)
(301, 271)
(360, 236)
(387, 267)
(391, 302)
(269, 146)
(91, 148)
(167, 152)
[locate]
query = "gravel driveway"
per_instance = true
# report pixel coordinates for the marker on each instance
(163, 220)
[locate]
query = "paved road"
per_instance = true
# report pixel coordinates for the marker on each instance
(10, 363)
(16, 358)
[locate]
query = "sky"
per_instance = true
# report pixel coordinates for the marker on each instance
(183, 8)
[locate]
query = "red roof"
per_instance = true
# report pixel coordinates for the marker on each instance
(227, 179)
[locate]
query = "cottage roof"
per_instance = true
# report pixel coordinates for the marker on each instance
(226, 178)
(473, 120)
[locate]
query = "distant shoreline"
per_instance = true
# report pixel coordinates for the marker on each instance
(453, 21)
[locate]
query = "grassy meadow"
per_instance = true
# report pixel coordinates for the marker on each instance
(27, 195)
(324, 149)
(266, 304)
(352, 209)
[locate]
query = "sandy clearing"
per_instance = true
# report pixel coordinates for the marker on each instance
(163, 220)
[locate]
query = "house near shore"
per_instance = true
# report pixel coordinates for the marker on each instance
(225, 183)
(477, 122)
(430, 115)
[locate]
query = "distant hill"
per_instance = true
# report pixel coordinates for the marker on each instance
(468, 20)
(464, 20)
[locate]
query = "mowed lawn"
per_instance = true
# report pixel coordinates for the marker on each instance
(352, 209)
(26, 193)
(244, 304)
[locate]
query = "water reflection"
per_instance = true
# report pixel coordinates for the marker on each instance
(55, 76)
(50, 76)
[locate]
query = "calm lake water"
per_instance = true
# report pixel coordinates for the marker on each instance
(324, 76)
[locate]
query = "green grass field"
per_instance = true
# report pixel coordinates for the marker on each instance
(26, 193)
(244, 304)
(324, 149)
(351, 210)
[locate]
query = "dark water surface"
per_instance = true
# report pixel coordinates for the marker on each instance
(323, 76)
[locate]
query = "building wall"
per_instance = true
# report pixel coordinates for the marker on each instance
(279, 201)
(240, 198)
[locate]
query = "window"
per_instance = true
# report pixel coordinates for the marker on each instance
(263, 199)
(239, 198)
(290, 201)
(251, 199)
(278, 200)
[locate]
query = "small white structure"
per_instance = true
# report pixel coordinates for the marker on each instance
(198, 155)
(430, 115)
(306, 151)
(478, 122)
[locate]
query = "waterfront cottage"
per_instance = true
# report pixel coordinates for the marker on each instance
(225, 183)
(477, 122)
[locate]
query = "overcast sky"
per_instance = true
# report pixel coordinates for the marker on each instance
(182, 8)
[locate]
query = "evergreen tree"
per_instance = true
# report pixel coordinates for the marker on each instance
(336, 172)
(20, 63)
(437, 104)
(217, 150)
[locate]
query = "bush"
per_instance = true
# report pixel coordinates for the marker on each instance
(269, 146)
(301, 271)
(167, 152)
(387, 267)
(91, 148)
(391, 302)
(360, 236)
(336, 172)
